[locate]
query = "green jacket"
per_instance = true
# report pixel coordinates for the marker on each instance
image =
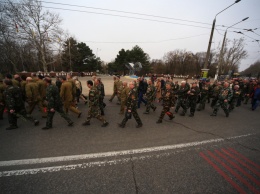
(131, 102)
(168, 98)
(13, 98)
(225, 94)
(53, 97)
(32, 92)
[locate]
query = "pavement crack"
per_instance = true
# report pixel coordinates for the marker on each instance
(134, 177)
(219, 136)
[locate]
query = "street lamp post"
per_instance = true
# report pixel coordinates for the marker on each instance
(212, 32)
(222, 48)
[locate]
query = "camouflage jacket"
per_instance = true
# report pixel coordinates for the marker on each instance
(13, 98)
(93, 97)
(168, 98)
(182, 92)
(194, 92)
(205, 89)
(216, 90)
(53, 97)
(236, 93)
(225, 94)
(150, 92)
(131, 102)
(101, 90)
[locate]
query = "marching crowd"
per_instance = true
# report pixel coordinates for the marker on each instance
(63, 94)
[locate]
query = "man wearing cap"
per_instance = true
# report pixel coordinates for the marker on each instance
(235, 97)
(54, 104)
(33, 97)
(15, 105)
(93, 103)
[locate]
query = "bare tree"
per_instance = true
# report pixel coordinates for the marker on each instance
(233, 55)
(37, 26)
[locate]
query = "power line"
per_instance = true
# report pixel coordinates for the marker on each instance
(146, 41)
(135, 13)
(122, 16)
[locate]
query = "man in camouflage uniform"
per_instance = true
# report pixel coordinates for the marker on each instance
(245, 91)
(224, 98)
(2, 104)
(54, 104)
(123, 97)
(93, 103)
(131, 107)
(215, 93)
(66, 94)
(205, 90)
(182, 97)
(168, 99)
(192, 98)
(150, 97)
(235, 97)
(15, 105)
(101, 91)
(33, 96)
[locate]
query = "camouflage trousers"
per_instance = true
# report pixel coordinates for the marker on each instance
(94, 112)
(191, 103)
(223, 105)
(50, 116)
(135, 115)
(166, 109)
(19, 113)
(203, 100)
(149, 105)
(181, 102)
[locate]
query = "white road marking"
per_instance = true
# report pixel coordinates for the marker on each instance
(111, 154)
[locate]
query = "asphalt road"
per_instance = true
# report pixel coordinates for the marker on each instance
(186, 155)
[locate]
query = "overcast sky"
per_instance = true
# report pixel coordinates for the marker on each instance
(106, 34)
